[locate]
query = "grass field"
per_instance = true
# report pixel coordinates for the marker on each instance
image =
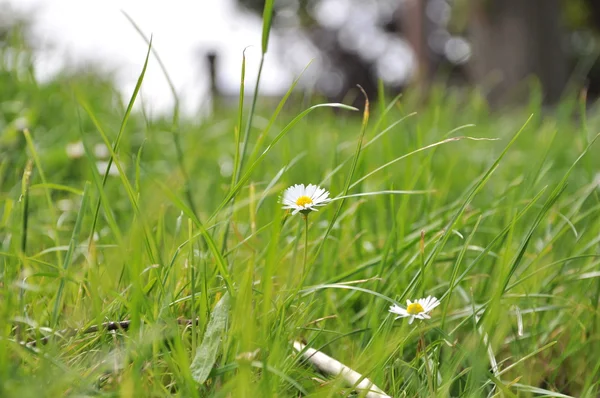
(495, 214)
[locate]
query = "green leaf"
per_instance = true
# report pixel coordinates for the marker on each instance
(206, 355)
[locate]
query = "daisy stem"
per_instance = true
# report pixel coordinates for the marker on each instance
(426, 359)
(305, 216)
(422, 255)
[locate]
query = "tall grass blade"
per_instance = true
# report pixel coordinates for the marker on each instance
(69, 255)
(267, 20)
(176, 110)
(25, 184)
(117, 141)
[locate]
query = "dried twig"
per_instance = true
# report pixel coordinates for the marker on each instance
(328, 365)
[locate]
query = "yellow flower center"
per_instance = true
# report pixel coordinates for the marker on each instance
(303, 201)
(414, 308)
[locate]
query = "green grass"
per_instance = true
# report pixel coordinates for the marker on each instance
(511, 244)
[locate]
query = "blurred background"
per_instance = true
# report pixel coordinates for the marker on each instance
(500, 47)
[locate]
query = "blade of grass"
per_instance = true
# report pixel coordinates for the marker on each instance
(74, 236)
(447, 140)
(115, 146)
(38, 166)
(108, 213)
(267, 19)
(151, 246)
(25, 185)
(313, 289)
(240, 117)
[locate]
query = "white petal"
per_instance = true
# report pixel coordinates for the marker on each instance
(296, 190)
(320, 195)
(411, 320)
(429, 302)
(396, 309)
(322, 199)
(290, 194)
(325, 199)
(434, 303)
(288, 201)
(310, 190)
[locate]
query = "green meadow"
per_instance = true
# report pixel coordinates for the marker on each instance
(150, 256)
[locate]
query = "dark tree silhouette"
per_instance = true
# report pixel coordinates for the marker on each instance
(515, 39)
(507, 42)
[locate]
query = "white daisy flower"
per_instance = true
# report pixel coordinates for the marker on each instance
(304, 199)
(418, 310)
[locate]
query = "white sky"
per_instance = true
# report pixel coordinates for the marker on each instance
(80, 31)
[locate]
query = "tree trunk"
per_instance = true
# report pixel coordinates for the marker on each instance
(514, 39)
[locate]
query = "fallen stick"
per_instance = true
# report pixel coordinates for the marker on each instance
(328, 365)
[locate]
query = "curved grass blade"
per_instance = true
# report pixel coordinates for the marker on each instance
(312, 289)
(447, 140)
